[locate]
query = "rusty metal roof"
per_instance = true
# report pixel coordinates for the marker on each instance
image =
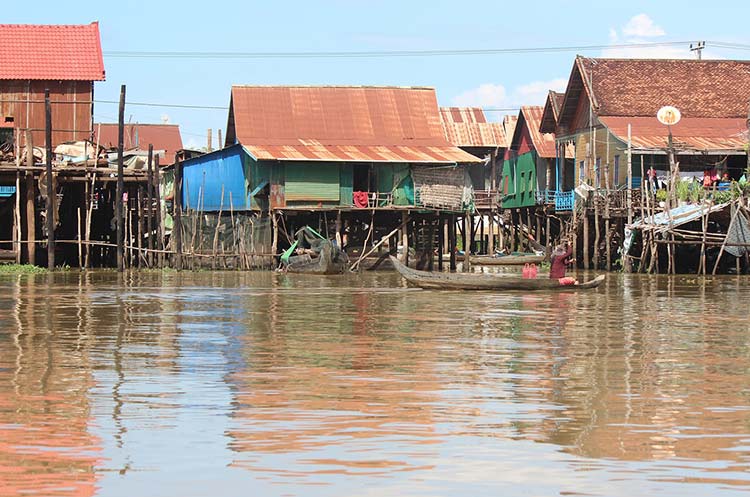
(551, 111)
(164, 137)
(509, 126)
(697, 133)
(341, 123)
(51, 52)
(468, 127)
(544, 143)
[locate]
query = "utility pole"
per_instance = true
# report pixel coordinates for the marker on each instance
(698, 49)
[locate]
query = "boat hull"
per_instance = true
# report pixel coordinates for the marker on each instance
(473, 281)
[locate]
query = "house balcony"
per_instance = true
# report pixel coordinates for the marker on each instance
(564, 201)
(486, 199)
(545, 197)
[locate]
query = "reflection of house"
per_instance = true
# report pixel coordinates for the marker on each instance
(165, 138)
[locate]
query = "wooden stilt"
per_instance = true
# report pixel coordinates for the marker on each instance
(405, 237)
(452, 241)
(150, 204)
(177, 224)
(50, 184)
(30, 199)
(441, 241)
(586, 260)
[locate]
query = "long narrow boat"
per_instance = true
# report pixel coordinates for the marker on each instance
(474, 281)
(506, 260)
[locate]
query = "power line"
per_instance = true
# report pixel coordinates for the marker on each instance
(390, 53)
(176, 106)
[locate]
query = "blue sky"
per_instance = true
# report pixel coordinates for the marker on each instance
(499, 81)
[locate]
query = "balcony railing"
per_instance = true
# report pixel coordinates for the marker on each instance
(564, 201)
(486, 199)
(544, 197)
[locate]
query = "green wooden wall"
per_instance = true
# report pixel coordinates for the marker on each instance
(519, 181)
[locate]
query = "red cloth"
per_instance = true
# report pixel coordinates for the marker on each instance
(558, 264)
(360, 199)
(567, 281)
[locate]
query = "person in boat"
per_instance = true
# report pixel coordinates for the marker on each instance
(559, 260)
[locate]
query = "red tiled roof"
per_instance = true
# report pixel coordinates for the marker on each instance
(358, 124)
(51, 52)
(164, 137)
(693, 133)
(698, 88)
(468, 127)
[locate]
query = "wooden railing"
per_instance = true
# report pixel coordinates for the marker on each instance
(486, 199)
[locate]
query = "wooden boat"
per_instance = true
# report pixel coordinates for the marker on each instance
(329, 261)
(506, 260)
(474, 281)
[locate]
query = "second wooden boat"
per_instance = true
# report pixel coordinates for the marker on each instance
(474, 281)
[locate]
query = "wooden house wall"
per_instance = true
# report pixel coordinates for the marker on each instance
(599, 153)
(22, 104)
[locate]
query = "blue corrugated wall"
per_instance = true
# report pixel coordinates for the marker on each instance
(207, 174)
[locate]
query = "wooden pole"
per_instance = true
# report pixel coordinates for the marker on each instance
(452, 241)
(89, 214)
(50, 183)
(159, 225)
(275, 240)
(431, 245)
(405, 237)
(441, 241)
(150, 204)
(120, 183)
(221, 145)
(209, 141)
(177, 225)
(30, 199)
(215, 247)
(597, 231)
(586, 261)
(80, 241)
(467, 242)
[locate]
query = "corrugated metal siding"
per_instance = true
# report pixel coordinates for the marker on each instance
(204, 177)
(69, 121)
(347, 184)
(320, 183)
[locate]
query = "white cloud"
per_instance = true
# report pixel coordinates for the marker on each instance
(485, 95)
(497, 96)
(642, 26)
(642, 29)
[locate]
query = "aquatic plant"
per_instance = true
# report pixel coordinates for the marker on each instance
(21, 269)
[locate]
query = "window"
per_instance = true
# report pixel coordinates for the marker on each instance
(616, 177)
(582, 171)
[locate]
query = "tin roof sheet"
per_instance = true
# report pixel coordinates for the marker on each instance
(544, 143)
(335, 123)
(51, 52)
(164, 137)
(696, 133)
(468, 127)
(678, 216)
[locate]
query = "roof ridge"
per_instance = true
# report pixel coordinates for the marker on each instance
(336, 86)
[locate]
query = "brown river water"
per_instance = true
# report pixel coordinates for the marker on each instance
(235, 384)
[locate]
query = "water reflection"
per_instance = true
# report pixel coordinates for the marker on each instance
(216, 383)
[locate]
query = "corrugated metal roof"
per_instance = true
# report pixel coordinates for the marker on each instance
(334, 123)
(679, 215)
(509, 126)
(164, 137)
(468, 127)
(551, 112)
(51, 52)
(697, 133)
(544, 143)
